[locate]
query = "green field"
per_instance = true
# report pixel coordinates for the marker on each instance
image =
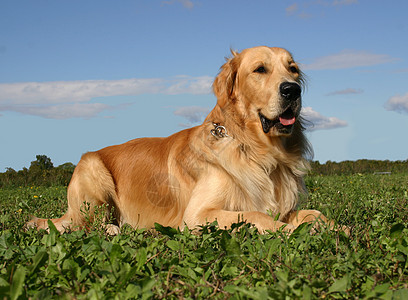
(371, 263)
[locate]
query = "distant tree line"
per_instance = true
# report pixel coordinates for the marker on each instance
(40, 173)
(43, 173)
(362, 166)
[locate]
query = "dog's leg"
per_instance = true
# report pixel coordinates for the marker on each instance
(296, 218)
(306, 216)
(91, 186)
(207, 205)
(226, 218)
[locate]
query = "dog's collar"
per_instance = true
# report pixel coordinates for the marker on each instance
(219, 131)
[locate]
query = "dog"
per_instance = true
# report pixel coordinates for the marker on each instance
(244, 163)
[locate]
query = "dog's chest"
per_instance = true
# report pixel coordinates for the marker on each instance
(258, 188)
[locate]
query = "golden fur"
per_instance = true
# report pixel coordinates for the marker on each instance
(194, 176)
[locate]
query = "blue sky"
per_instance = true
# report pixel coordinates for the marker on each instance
(76, 76)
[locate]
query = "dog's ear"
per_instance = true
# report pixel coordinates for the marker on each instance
(224, 83)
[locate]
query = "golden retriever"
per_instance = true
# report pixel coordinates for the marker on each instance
(244, 163)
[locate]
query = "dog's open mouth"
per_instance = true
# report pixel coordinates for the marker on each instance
(284, 123)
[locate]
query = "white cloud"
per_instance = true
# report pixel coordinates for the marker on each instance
(63, 111)
(401, 70)
(290, 10)
(344, 2)
(74, 91)
(186, 3)
(319, 121)
(194, 114)
(309, 9)
(189, 85)
(61, 99)
(345, 92)
(397, 103)
(348, 59)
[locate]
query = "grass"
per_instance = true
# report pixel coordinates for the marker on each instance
(167, 263)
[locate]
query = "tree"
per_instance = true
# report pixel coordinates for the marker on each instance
(67, 167)
(43, 163)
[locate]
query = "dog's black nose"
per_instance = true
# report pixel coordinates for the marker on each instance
(290, 90)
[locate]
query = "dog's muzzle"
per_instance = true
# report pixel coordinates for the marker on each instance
(291, 95)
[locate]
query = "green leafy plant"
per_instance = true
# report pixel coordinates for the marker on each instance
(239, 263)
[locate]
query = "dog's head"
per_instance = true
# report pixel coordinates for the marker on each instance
(265, 85)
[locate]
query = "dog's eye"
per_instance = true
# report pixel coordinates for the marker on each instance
(260, 69)
(293, 69)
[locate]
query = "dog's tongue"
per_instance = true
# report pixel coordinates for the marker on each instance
(287, 122)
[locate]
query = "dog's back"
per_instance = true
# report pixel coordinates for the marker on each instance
(132, 181)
